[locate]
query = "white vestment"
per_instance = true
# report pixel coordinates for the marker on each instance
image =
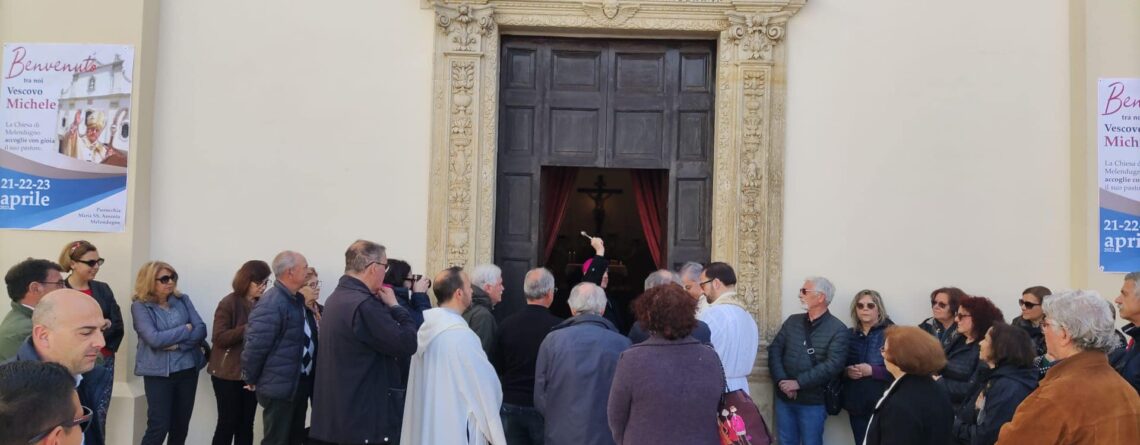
(735, 337)
(454, 394)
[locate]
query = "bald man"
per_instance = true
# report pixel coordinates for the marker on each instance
(67, 328)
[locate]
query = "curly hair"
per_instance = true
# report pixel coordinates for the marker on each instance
(984, 314)
(667, 310)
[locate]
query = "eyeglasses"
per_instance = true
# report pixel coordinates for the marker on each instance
(385, 265)
(960, 316)
(805, 291)
(92, 263)
(60, 283)
(865, 306)
(264, 282)
(83, 422)
(939, 304)
(315, 284)
(1027, 305)
(703, 283)
(166, 279)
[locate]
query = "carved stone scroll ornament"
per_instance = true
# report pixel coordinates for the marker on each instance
(755, 36)
(465, 25)
(459, 164)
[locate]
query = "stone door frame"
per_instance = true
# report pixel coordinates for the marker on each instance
(748, 145)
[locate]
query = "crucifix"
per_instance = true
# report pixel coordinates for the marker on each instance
(599, 193)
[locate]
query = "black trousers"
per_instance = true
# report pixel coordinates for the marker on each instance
(169, 404)
(236, 409)
(285, 419)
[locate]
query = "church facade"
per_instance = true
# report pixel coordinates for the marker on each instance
(886, 144)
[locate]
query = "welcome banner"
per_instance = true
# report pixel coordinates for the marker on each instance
(1118, 145)
(66, 114)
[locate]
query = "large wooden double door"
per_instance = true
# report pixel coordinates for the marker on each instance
(631, 104)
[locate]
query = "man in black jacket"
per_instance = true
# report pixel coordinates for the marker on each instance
(359, 394)
(802, 367)
(520, 337)
(280, 352)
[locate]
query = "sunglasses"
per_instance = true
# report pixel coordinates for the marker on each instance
(83, 422)
(940, 304)
(865, 305)
(92, 263)
(804, 291)
(166, 279)
(1027, 305)
(960, 316)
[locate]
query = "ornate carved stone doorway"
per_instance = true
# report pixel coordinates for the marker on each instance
(748, 145)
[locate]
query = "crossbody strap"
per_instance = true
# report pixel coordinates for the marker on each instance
(807, 341)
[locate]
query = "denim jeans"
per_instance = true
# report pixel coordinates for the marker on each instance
(522, 425)
(169, 405)
(799, 424)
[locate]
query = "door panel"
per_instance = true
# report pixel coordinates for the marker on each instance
(609, 104)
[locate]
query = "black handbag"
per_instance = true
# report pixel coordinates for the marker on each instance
(833, 388)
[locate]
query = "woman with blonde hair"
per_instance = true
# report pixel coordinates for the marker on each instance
(169, 354)
(83, 261)
(865, 377)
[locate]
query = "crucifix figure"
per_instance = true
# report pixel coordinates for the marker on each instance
(599, 193)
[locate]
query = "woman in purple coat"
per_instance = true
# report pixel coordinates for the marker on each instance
(666, 389)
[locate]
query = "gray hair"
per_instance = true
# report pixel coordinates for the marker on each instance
(284, 261)
(823, 286)
(361, 254)
(587, 298)
(661, 278)
(692, 270)
(538, 283)
(1085, 315)
(1133, 277)
(486, 274)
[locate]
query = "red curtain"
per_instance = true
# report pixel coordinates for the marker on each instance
(648, 187)
(557, 184)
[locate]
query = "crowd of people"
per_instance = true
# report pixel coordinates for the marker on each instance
(377, 363)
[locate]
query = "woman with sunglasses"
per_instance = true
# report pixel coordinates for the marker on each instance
(83, 261)
(1032, 315)
(943, 305)
(866, 376)
(975, 316)
(236, 405)
(169, 353)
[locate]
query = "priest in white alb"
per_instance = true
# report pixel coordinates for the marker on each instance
(454, 394)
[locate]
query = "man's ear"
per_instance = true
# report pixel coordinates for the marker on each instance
(40, 332)
(55, 437)
(35, 288)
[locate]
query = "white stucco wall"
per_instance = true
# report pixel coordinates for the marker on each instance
(927, 144)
